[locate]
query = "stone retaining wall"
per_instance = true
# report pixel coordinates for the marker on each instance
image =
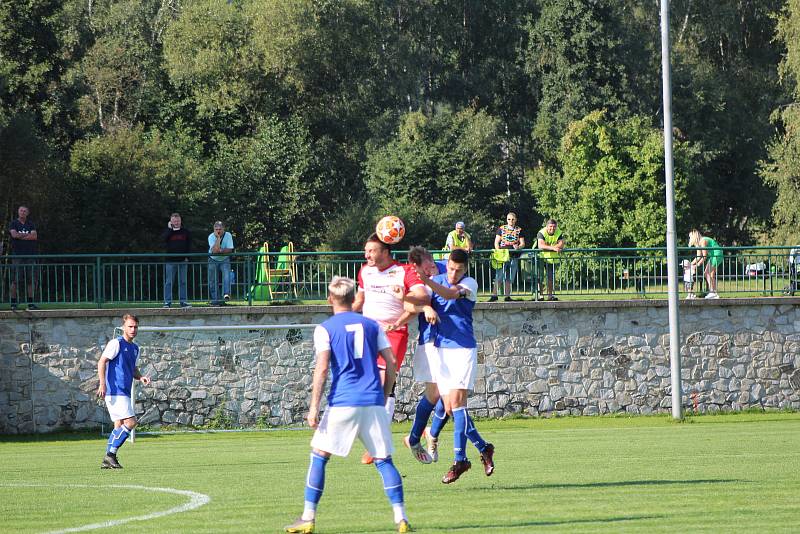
(579, 358)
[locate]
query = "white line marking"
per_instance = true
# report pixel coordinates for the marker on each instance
(196, 500)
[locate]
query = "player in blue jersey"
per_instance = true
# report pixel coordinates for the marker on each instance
(349, 344)
(425, 363)
(116, 371)
(454, 297)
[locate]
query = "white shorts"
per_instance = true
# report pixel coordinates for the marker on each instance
(458, 369)
(119, 407)
(340, 425)
(426, 363)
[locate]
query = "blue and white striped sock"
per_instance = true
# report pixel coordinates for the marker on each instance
(440, 418)
(474, 437)
(392, 485)
(117, 438)
(421, 416)
(460, 420)
(315, 484)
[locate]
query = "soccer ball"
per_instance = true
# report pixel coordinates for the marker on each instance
(390, 230)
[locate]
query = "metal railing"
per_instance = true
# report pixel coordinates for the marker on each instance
(138, 279)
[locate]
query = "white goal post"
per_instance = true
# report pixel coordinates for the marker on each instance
(297, 326)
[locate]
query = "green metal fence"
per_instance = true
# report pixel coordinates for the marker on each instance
(114, 279)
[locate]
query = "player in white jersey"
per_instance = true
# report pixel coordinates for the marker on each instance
(349, 344)
(116, 371)
(377, 279)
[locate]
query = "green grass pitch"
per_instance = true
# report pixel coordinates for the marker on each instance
(725, 473)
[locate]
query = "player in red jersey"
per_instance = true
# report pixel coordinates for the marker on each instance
(375, 299)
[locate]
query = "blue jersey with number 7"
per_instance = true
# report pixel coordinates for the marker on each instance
(354, 342)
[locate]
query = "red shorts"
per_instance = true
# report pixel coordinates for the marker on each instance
(398, 339)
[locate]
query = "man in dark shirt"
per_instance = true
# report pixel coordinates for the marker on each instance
(178, 240)
(23, 243)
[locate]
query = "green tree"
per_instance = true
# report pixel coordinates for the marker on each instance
(125, 184)
(449, 157)
(263, 185)
(781, 170)
(611, 192)
(576, 55)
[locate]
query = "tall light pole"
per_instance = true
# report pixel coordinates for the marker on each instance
(672, 251)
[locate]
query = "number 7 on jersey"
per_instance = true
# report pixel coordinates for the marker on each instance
(358, 339)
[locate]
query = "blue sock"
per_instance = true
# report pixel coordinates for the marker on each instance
(474, 437)
(440, 417)
(460, 418)
(392, 483)
(424, 409)
(117, 438)
(315, 480)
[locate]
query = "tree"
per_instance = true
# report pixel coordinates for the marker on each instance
(263, 185)
(575, 54)
(781, 169)
(126, 183)
(611, 192)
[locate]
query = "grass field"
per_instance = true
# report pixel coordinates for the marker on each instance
(725, 473)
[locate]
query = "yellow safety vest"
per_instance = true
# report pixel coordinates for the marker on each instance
(549, 255)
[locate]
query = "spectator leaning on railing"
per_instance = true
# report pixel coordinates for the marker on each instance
(24, 239)
(178, 240)
(459, 238)
(219, 242)
(709, 255)
(508, 239)
(550, 241)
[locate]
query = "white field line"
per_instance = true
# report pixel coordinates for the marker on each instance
(196, 500)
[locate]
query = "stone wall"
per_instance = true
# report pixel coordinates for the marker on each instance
(579, 358)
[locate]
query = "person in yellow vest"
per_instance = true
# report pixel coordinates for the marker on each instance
(458, 238)
(551, 243)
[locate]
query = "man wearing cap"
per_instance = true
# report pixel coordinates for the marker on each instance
(458, 238)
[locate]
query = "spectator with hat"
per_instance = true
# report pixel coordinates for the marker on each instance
(459, 239)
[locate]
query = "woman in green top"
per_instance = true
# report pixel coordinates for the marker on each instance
(710, 255)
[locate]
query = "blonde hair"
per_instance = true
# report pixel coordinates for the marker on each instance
(342, 289)
(695, 238)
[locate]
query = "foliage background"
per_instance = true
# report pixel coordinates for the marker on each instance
(309, 119)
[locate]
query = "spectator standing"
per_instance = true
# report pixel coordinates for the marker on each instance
(177, 240)
(24, 238)
(219, 242)
(550, 241)
(509, 237)
(459, 238)
(710, 256)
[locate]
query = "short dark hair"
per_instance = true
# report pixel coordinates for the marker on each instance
(418, 254)
(375, 239)
(459, 255)
(130, 316)
(552, 221)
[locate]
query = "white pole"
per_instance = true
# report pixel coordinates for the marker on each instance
(227, 327)
(672, 252)
(133, 402)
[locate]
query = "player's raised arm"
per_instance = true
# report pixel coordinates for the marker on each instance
(318, 386)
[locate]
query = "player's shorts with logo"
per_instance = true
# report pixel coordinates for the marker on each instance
(119, 407)
(341, 425)
(458, 368)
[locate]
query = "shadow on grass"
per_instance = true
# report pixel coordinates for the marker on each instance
(83, 435)
(552, 523)
(621, 483)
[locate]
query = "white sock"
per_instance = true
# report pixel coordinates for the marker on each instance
(399, 512)
(390, 403)
(309, 511)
